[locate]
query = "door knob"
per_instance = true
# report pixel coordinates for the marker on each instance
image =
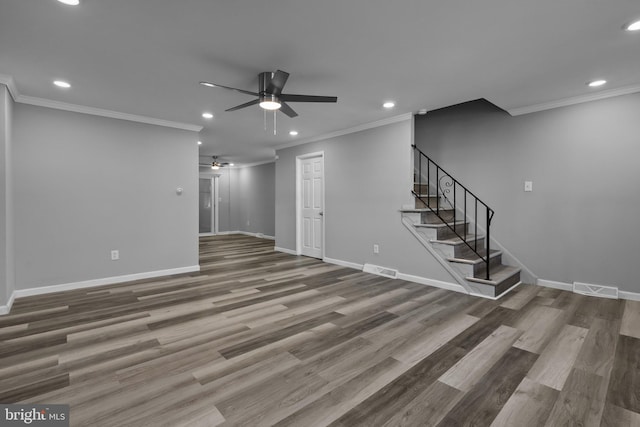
(321, 213)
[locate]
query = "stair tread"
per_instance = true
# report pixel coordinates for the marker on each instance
(498, 274)
(475, 259)
(419, 210)
(438, 224)
(457, 240)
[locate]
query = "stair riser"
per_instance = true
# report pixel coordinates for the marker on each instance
(457, 251)
(447, 233)
(433, 218)
(494, 291)
(507, 283)
(476, 270)
(480, 270)
(433, 203)
(440, 233)
(421, 188)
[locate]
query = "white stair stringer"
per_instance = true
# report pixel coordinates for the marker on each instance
(459, 271)
(408, 223)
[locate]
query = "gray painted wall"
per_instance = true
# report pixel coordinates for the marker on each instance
(580, 221)
(7, 271)
(256, 197)
(85, 185)
(368, 178)
(248, 198)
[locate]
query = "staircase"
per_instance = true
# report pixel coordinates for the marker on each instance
(454, 225)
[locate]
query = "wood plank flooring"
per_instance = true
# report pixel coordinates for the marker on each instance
(261, 338)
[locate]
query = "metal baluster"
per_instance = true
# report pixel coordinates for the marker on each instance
(428, 177)
(454, 207)
(437, 190)
(475, 245)
(488, 241)
(464, 218)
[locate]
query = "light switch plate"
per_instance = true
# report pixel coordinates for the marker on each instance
(528, 186)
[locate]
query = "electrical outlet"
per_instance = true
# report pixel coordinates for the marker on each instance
(115, 255)
(248, 223)
(376, 249)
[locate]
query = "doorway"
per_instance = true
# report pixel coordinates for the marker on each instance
(209, 205)
(310, 205)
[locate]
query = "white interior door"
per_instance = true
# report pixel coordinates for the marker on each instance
(312, 206)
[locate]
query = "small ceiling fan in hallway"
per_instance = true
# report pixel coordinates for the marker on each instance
(215, 164)
(270, 96)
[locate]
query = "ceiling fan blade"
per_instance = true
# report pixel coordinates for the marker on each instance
(245, 105)
(285, 108)
(208, 84)
(277, 82)
(307, 98)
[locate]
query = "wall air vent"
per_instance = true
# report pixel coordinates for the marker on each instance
(595, 290)
(380, 271)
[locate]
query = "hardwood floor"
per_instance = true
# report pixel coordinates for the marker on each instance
(264, 338)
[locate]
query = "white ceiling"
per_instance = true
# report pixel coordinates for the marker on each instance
(146, 57)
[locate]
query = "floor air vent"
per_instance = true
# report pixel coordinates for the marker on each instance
(380, 271)
(595, 290)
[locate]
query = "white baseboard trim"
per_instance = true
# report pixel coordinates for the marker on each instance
(633, 296)
(258, 235)
(104, 281)
(5, 309)
(285, 250)
(433, 282)
(343, 263)
(206, 234)
(555, 285)
(246, 233)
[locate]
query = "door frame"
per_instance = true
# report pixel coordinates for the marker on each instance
(299, 160)
(215, 204)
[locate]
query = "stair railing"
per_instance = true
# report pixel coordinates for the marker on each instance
(454, 194)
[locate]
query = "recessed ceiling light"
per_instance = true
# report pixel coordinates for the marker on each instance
(62, 84)
(199, 142)
(207, 115)
(634, 26)
(70, 2)
(596, 83)
(231, 164)
(293, 132)
(207, 84)
(389, 104)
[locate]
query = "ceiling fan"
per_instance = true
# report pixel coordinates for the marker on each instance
(270, 96)
(215, 165)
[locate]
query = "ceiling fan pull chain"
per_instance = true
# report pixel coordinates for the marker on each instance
(265, 120)
(274, 122)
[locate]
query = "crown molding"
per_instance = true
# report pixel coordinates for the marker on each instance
(43, 102)
(10, 84)
(573, 100)
(250, 165)
(365, 126)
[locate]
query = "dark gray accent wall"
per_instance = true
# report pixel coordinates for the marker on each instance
(247, 198)
(368, 178)
(7, 270)
(256, 198)
(85, 185)
(580, 221)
